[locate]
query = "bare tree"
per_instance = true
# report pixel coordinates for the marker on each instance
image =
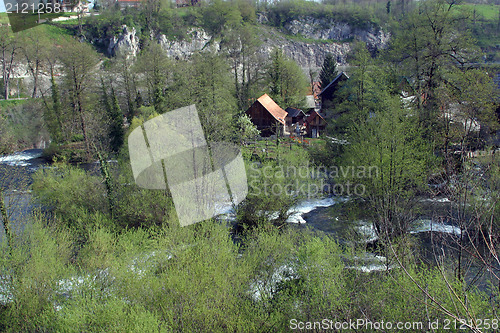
(8, 52)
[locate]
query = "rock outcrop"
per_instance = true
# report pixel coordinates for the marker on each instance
(125, 43)
(326, 37)
(307, 55)
(197, 40)
(321, 29)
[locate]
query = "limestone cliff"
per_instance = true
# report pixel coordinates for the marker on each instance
(306, 41)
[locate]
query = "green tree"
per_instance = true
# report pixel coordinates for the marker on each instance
(241, 45)
(153, 63)
(287, 82)
(123, 68)
(53, 113)
(206, 81)
(9, 48)
(430, 43)
(468, 99)
(79, 63)
(35, 49)
(328, 70)
(389, 145)
(360, 94)
(247, 128)
(220, 15)
(116, 131)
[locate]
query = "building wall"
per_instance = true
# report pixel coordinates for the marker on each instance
(264, 121)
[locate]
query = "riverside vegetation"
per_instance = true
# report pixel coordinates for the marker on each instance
(101, 254)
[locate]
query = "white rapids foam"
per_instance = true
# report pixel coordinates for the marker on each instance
(306, 206)
(295, 213)
(20, 158)
(367, 230)
(370, 262)
(429, 225)
(438, 200)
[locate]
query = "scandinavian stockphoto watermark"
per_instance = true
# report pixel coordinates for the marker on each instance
(355, 325)
(309, 181)
(204, 178)
(365, 325)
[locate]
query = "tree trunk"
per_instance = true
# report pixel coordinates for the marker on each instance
(5, 219)
(6, 88)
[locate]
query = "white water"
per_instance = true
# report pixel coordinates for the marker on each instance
(370, 262)
(264, 288)
(437, 200)
(307, 206)
(20, 158)
(367, 231)
(295, 213)
(429, 225)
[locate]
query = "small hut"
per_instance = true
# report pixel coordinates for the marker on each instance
(315, 124)
(294, 116)
(268, 116)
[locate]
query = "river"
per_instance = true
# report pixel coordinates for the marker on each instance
(433, 228)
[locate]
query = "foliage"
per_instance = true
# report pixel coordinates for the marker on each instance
(287, 82)
(328, 70)
(22, 124)
(206, 82)
(247, 129)
(197, 279)
(431, 44)
(153, 63)
(389, 145)
(79, 62)
(116, 131)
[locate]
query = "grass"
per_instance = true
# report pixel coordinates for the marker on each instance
(267, 148)
(4, 19)
(489, 12)
(71, 22)
(21, 22)
(11, 102)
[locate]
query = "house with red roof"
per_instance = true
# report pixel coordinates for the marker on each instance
(268, 116)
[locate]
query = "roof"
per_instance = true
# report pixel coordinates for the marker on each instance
(293, 112)
(274, 109)
(342, 75)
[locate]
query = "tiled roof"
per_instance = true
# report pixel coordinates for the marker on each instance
(274, 109)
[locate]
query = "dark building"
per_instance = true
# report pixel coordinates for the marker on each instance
(267, 116)
(294, 116)
(329, 93)
(315, 124)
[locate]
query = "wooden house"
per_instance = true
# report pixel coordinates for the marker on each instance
(315, 124)
(268, 116)
(294, 116)
(330, 92)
